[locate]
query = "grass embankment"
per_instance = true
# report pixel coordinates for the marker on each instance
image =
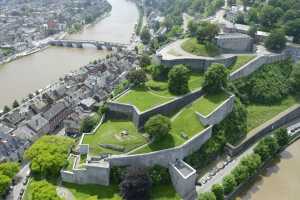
(156, 93)
(110, 133)
(240, 61)
(192, 46)
(70, 165)
(209, 103)
(259, 114)
(96, 192)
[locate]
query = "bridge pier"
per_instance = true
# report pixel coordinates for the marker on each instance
(109, 47)
(68, 44)
(79, 45)
(99, 46)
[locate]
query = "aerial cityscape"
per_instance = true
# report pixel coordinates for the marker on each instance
(149, 99)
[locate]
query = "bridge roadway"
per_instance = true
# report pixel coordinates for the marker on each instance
(79, 44)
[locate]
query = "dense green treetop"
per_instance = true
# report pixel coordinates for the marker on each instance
(137, 77)
(179, 76)
(42, 190)
(215, 79)
(158, 126)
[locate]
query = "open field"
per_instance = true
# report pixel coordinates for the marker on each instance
(156, 93)
(110, 133)
(240, 61)
(208, 103)
(259, 114)
(192, 46)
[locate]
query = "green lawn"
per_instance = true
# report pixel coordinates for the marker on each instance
(240, 61)
(259, 114)
(192, 46)
(110, 133)
(208, 103)
(156, 93)
(185, 122)
(96, 192)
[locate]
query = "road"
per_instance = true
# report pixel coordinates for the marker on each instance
(21, 176)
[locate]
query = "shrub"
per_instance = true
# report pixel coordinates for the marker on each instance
(117, 174)
(207, 196)
(158, 126)
(159, 175)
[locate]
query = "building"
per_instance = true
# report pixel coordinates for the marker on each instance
(235, 42)
(39, 124)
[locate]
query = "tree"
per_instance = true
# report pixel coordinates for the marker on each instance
(192, 28)
(276, 41)
(42, 190)
(48, 155)
(158, 126)
(215, 78)
(229, 183)
(9, 169)
(145, 35)
(252, 31)
(267, 148)
(15, 104)
(145, 60)
(6, 109)
(282, 137)
(159, 175)
(235, 124)
(262, 150)
(137, 77)
(240, 174)
(136, 184)
(295, 78)
(269, 16)
(89, 123)
(207, 32)
(293, 29)
(5, 181)
(207, 196)
(252, 162)
(160, 72)
(218, 190)
(178, 77)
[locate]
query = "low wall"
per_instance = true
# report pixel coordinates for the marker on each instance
(258, 133)
(293, 51)
(255, 64)
(219, 113)
(140, 118)
(163, 157)
(199, 64)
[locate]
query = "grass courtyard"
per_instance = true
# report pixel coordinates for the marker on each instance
(156, 93)
(111, 133)
(241, 61)
(192, 46)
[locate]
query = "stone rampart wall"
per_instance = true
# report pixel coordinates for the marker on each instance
(163, 157)
(199, 64)
(219, 113)
(255, 64)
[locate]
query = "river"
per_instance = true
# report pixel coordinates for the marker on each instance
(33, 72)
(280, 181)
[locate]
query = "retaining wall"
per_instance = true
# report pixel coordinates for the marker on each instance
(258, 133)
(255, 64)
(198, 64)
(140, 118)
(219, 113)
(163, 157)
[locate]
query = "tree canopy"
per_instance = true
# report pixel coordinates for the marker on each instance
(7, 172)
(136, 184)
(276, 41)
(137, 77)
(48, 155)
(215, 78)
(89, 123)
(158, 126)
(207, 196)
(207, 32)
(42, 190)
(179, 76)
(145, 35)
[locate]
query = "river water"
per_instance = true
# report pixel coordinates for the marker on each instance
(30, 73)
(281, 181)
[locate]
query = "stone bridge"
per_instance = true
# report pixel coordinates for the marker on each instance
(79, 44)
